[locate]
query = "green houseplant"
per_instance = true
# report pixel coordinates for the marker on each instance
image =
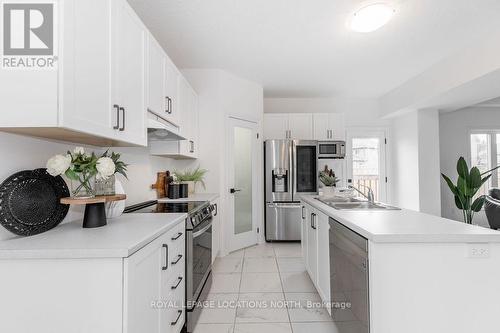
(327, 177)
(191, 177)
(468, 184)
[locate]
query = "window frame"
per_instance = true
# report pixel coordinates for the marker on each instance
(493, 151)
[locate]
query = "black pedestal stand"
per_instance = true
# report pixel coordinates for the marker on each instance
(95, 215)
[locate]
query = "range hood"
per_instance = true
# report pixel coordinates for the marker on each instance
(160, 129)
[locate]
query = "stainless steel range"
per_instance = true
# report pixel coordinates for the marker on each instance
(198, 248)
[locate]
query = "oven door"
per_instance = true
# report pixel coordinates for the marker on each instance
(199, 259)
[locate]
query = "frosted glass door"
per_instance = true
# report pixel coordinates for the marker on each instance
(243, 138)
(241, 227)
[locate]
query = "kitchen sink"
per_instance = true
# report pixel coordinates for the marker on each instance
(355, 204)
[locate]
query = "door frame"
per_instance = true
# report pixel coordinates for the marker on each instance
(381, 133)
(233, 243)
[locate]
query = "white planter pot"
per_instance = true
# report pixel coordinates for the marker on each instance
(191, 187)
(328, 191)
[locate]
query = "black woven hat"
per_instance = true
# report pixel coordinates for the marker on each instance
(30, 202)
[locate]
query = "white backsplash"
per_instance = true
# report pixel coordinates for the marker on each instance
(26, 153)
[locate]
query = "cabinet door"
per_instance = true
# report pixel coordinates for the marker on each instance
(172, 91)
(336, 123)
(321, 126)
(275, 126)
(300, 126)
(142, 285)
(312, 246)
(183, 107)
(86, 99)
(129, 74)
(323, 280)
(156, 78)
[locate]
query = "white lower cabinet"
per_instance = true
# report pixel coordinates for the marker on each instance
(144, 292)
(154, 285)
(315, 249)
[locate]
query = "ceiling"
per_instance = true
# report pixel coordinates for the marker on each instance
(298, 48)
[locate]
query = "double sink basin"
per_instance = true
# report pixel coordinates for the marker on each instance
(343, 203)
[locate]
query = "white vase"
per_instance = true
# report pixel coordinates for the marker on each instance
(191, 187)
(328, 191)
(116, 208)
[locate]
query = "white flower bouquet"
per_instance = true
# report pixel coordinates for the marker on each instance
(83, 169)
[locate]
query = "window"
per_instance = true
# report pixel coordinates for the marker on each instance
(366, 162)
(485, 154)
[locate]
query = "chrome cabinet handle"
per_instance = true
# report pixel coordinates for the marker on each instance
(122, 109)
(179, 257)
(165, 246)
(313, 221)
(173, 323)
(178, 283)
(117, 108)
(177, 237)
(191, 149)
(167, 106)
(216, 209)
(303, 216)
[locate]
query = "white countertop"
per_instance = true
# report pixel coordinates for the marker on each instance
(120, 238)
(405, 226)
(193, 197)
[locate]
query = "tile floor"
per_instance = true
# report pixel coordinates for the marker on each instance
(263, 289)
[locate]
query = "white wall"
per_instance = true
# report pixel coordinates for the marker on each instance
(454, 142)
(416, 161)
(405, 160)
(222, 95)
(25, 153)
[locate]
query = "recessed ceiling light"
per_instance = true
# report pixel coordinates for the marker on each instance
(371, 17)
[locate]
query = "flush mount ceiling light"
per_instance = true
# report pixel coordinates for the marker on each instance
(371, 17)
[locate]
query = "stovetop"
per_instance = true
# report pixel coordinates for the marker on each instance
(154, 206)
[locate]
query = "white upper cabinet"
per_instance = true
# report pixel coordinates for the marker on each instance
(329, 126)
(288, 126)
(157, 58)
(275, 126)
(96, 93)
(300, 126)
(172, 77)
(187, 109)
(129, 75)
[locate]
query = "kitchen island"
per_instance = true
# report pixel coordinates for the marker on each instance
(423, 273)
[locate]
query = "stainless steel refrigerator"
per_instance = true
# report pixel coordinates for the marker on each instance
(291, 169)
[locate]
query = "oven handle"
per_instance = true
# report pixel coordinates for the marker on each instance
(199, 232)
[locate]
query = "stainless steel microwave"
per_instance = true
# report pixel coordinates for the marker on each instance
(331, 149)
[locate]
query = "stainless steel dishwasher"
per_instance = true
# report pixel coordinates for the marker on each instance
(349, 279)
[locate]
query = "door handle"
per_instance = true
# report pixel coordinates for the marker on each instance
(313, 221)
(177, 237)
(167, 106)
(303, 216)
(233, 190)
(178, 283)
(165, 246)
(173, 323)
(179, 257)
(122, 109)
(117, 108)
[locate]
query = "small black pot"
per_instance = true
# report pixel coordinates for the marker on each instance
(173, 191)
(183, 190)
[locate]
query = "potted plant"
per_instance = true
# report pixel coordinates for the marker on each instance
(327, 177)
(191, 177)
(82, 169)
(468, 184)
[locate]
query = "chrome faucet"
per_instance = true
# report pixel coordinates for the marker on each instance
(370, 197)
